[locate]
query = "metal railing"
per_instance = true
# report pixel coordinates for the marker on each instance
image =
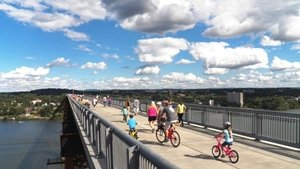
(113, 146)
(274, 126)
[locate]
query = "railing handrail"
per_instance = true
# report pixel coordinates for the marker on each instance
(138, 152)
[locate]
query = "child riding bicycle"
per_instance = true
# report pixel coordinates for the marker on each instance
(132, 124)
(228, 136)
(124, 112)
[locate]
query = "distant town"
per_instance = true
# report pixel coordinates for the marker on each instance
(44, 103)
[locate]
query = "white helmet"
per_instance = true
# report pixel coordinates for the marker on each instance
(227, 124)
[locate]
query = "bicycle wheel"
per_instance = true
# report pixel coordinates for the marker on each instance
(233, 156)
(216, 151)
(160, 135)
(175, 140)
(135, 135)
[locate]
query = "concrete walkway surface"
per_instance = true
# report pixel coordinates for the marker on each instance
(194, 151)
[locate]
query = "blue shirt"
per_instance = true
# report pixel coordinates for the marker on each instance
(132, 123)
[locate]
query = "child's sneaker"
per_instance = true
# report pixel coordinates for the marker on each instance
(223, 155)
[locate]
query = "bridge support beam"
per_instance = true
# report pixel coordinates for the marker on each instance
(71, 146)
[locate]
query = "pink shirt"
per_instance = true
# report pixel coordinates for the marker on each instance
(152, 111)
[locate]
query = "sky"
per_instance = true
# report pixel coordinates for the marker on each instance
(149, 44)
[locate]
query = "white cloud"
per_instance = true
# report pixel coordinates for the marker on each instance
(29, 58)
(53, 21)
(159, 50)
(59, 62)
(86, 10)
(84, 48)
(267, 41)
(277, 18)
(76, 36)
(290, 78)
(25, 73)
(181, 80)
(113, 56)
(280, 64)
(128, 83)
(162, 17)
(268, 79)
(227, 18)
(129, 58)
(46, 21)
(220, 55)
(296, 47)
(90, 65)
(34, 4)
(128, 8)
(253, 79)
(215, 71)
(151, 70)
(185, 61)
(55, 15)
(287, 29)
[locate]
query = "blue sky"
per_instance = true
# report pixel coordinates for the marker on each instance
(149, 44)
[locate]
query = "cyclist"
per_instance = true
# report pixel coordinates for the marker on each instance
(169, 111)
(124, 111)
(131, 124)
(228, 136)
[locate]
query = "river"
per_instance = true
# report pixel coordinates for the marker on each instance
(29, 144)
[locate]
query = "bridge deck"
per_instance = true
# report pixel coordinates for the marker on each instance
(196, 143)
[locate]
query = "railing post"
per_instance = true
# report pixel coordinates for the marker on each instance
(188, 115)
(86, 120)
(205, 121)
(91, 126)
(132, 157)
(83, 119)
(258, 126)
(109, 155)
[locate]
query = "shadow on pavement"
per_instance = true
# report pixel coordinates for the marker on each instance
(203, 156)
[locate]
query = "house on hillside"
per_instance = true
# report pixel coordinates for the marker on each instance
(36, 101)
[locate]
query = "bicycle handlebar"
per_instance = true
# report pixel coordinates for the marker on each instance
(218, 138)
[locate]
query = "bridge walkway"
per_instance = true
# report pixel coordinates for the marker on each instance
(196, 143)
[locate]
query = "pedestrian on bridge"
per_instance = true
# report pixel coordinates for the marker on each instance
(95, 102)
(181, 109)
(128, 105)
(152, 115)
(136, 106)
(160, 116)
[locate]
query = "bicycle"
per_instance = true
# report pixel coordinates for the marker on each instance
(173, 135)
(133, 133)
(232, 154)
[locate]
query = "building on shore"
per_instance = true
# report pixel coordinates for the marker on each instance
(236, 98)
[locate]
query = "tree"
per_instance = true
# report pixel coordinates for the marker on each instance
(46, 111)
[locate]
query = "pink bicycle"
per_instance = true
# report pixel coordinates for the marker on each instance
(232, 154)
